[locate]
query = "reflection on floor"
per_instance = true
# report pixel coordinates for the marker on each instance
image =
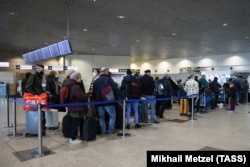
(215, 130)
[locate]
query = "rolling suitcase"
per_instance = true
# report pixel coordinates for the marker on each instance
(31, 123)
(89, 129)
(119, 116)
(52, 119)
(183, 106)
(143, 112)
(66, 125)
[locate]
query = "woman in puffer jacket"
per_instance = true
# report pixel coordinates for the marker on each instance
(79, 111)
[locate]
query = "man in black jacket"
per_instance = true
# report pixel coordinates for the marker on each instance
(148, 86)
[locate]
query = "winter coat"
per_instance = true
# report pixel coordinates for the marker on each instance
(148, 85)
(34, 84)
(77, 96)
(97, 86)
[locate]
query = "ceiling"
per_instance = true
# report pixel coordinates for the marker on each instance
(151, 29)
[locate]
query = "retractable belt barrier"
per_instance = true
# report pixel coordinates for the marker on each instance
(39, 107)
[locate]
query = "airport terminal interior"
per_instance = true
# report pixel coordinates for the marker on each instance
(214, 130)
(177, 38)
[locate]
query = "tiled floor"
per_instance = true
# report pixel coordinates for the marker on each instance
(215, 130)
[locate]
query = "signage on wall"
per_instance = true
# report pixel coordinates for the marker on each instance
(190, 70)
(56, 68)
(4, 64)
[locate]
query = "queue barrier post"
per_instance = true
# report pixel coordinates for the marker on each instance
(123, 134)
(14, 120)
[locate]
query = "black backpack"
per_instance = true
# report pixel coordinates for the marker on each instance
(135, 88)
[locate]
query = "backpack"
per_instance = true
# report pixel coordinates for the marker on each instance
(107, 91)
(135, 88)
(159, 87)
(64, 94)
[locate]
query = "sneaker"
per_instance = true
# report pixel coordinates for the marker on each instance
(76, 141)
(128, 126)
(137, 126)
(155, 122)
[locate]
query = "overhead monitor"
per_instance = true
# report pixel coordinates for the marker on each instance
(38, 55)
(54, 50)
(65, 47)
(45, 53)
(26, 58)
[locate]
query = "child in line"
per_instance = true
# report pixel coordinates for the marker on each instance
(232, 96)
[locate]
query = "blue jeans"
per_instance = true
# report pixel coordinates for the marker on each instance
(151, 101)
(112, 116)
(133, 104)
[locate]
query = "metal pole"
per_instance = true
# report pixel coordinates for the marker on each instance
(14, 120)
(8, 125)
(39, 131)
(39, 152)
(123, 134)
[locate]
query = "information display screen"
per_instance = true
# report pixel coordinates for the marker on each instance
(38, 55)
(64, 47)
(54, 50)
(45, 53)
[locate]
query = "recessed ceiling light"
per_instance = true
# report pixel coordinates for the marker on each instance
(173, 34)
(92, 49)
(85, 29)
(11, 13)
(120, 17)
(247, 37)
(114, 45)
(224, 25)
(137, 40)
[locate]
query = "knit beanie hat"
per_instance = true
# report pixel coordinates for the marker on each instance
(75, 75)
(69, 72)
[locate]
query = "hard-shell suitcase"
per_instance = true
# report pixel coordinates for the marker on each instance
(183, 106)
(66, 125)
(119, 116)
(89, 129)
(31, 123)
(143, 112)
(52, 119)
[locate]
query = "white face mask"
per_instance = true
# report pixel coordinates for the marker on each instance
(94, 74)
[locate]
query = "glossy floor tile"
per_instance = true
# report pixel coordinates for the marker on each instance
(215, 130)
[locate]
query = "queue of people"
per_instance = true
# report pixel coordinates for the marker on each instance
(133, 88)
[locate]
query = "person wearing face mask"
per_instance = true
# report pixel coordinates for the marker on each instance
(96, 74)
(34, 86)
(34, 83)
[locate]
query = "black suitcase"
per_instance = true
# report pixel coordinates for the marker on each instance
(119, 116)
(66, 125)
(89, 129)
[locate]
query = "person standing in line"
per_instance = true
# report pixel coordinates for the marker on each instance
(215, 88)
(166, 92)
(126, 89)
(77, 112)
(25, 79)
(68, 73)
(34, 86)
(148, 87)
(96, 75)
(106, 107)
(192, 89)
(232, 97)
